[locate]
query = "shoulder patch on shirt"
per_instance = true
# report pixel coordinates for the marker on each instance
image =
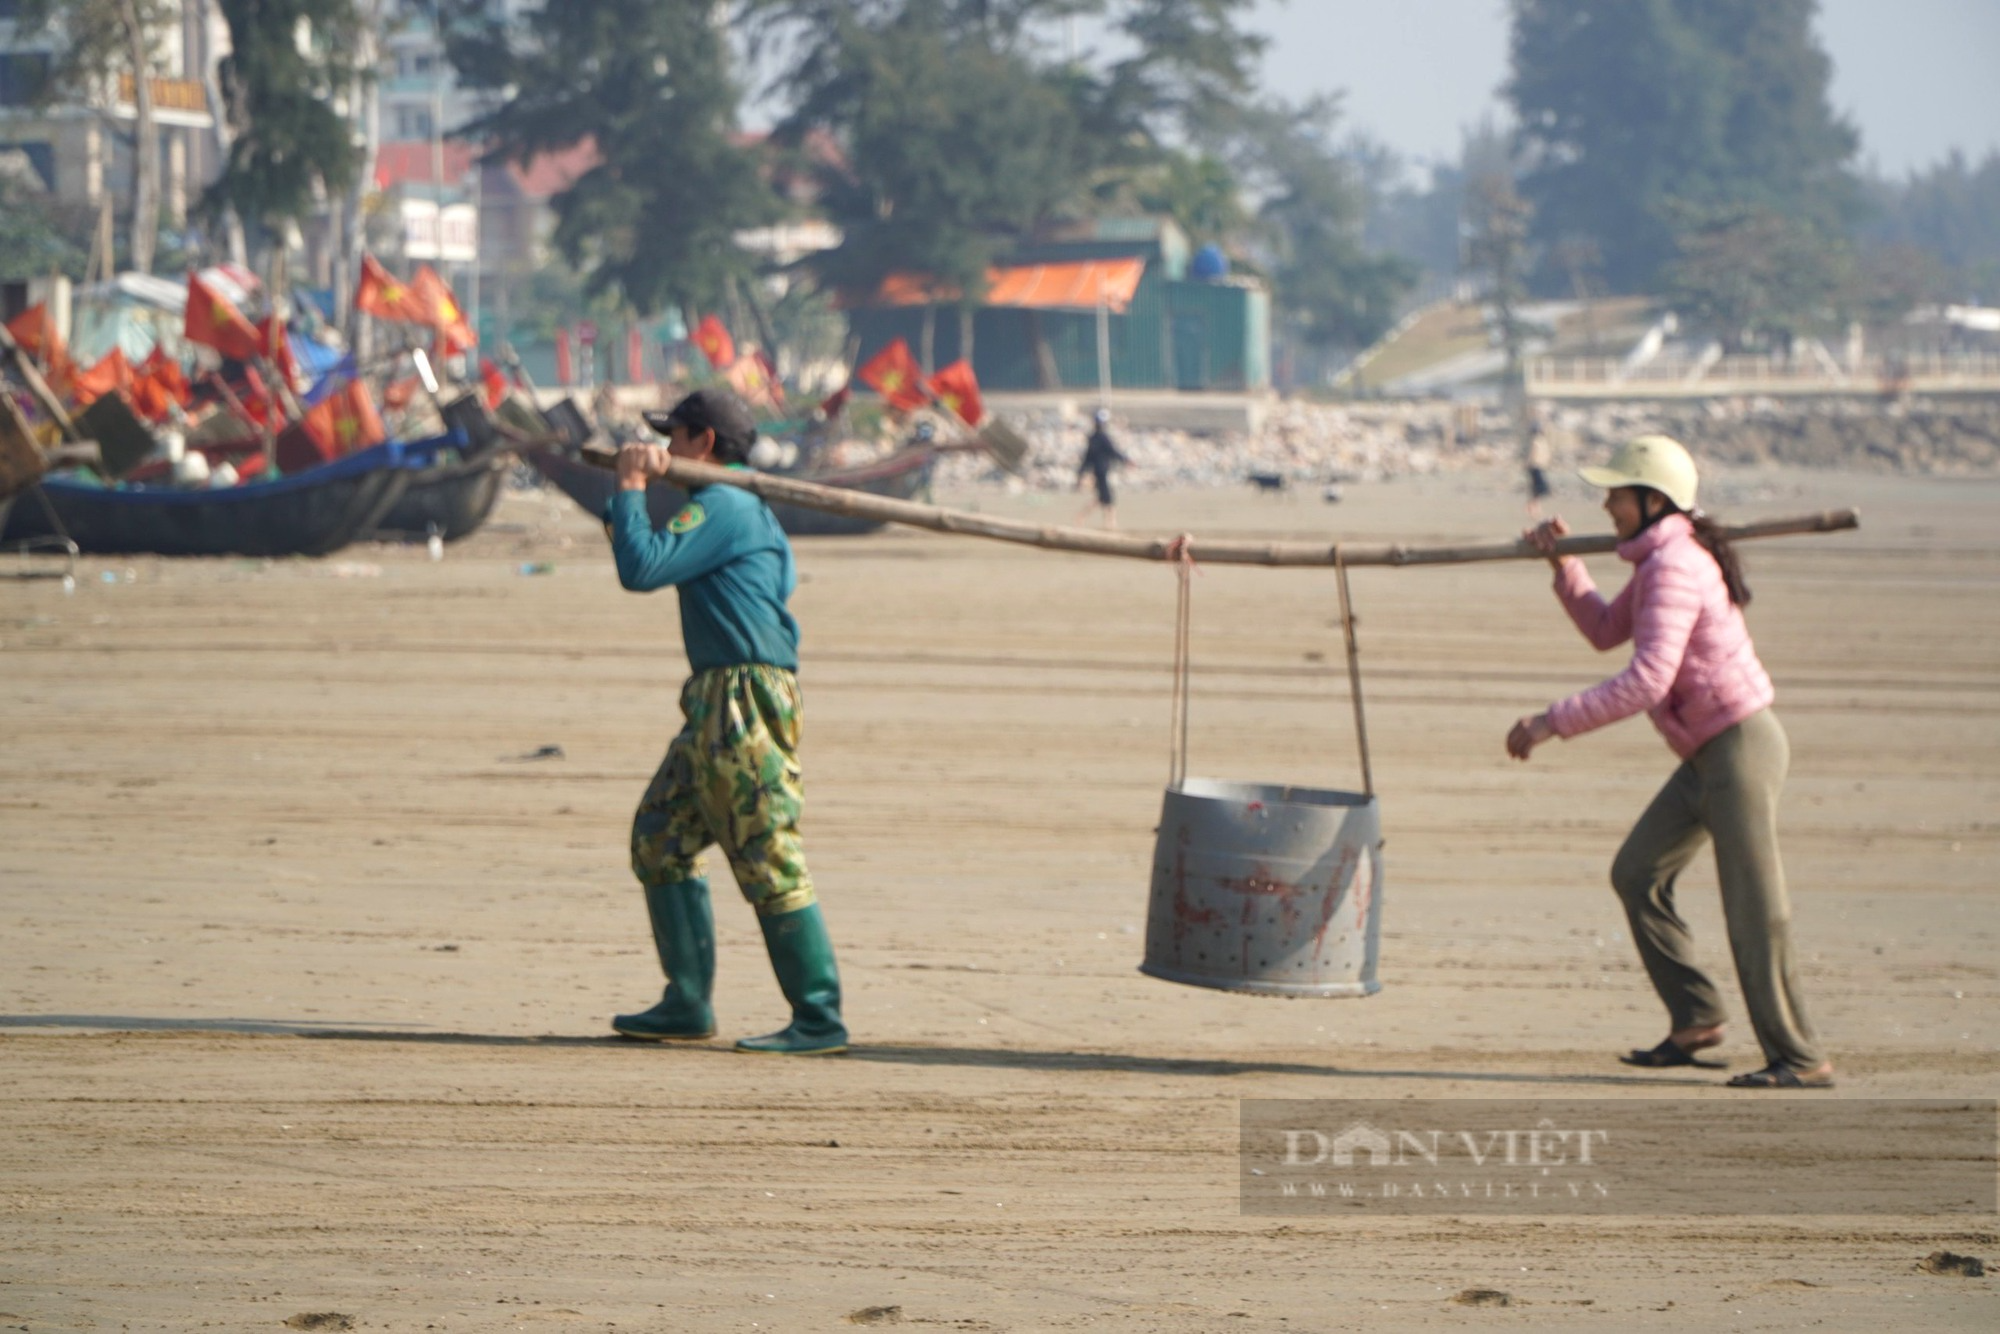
(688, 519)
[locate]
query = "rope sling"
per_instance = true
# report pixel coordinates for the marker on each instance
(1177, 741)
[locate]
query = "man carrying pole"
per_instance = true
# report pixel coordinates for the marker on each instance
(731, 777)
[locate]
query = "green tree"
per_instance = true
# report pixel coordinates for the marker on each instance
(1497, 222)
(961, 135)
(103, 41)
(39, 236)
(1751, 276)
(289, 62)
(1951, 213)
(1198, 191)
(649, 83)
(1426, 224)
(953, 147)
(1331, 289)
(1632, 113)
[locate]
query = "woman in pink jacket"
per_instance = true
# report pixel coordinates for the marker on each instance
(1695, 673)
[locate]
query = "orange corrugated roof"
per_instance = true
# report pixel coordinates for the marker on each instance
(1054, 286)
(1077, 285)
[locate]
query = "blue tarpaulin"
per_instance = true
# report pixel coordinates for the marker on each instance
(315, 358)
(339, 373)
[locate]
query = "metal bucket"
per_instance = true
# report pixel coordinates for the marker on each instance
(1266, 889)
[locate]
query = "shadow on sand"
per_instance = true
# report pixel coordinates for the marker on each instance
(993, 1058)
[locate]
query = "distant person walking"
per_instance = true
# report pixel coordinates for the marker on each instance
(1696, 673)
(1535, 457)
(1100, 455)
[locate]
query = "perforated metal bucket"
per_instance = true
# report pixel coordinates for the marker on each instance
(1265, 889)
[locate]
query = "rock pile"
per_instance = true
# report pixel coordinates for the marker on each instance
(1310, 444)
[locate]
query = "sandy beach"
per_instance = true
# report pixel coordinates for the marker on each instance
(306, 968)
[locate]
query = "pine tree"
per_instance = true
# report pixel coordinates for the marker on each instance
(288, 61)
(1632, 114)
(1332, 290)
(961, 135)
(649, 84)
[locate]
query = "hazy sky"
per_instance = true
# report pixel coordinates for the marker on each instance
(1919, 77)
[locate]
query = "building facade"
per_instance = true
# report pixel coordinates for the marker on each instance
(75, 144)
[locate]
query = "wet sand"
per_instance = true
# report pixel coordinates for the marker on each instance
(305, 973)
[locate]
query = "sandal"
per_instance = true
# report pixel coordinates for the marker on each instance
(1669, 1054)
(1780, 1077)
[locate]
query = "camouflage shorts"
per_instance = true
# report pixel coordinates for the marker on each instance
(731, 778)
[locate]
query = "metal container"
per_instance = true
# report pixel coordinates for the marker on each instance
(1266, 889)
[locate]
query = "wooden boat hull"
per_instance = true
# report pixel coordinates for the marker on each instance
(451, 499)
(901, 476)
(310, 513)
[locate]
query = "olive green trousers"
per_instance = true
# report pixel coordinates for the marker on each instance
(1727, 793)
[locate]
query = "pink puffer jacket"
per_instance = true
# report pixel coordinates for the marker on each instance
(1693, 669)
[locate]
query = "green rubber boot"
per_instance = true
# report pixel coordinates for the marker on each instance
(802, 957)
(684, 934)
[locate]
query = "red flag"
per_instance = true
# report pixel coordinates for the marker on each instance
(381, 294)
(151, 399)
(747, 378)
(442, 312)
(37, 335)
(777, 386)
(366, 423)
(564, 371)
(894, 374)
(957, 388)
(715, 343)
(213, 322)
(278, 349)
(163, 371)
(494, 382)
(110, 374)
(835, 403)
(255, 396)
(345, 421)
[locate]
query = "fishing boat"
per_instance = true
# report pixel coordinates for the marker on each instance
(900, 476)
(309, 513)
(450, 492)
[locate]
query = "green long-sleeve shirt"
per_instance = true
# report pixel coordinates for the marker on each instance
(733, 566)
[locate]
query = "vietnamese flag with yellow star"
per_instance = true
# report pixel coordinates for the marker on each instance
(712, 337)
(381, 294)
(895, 375)
(213, 321)
(442, 311)
(345, 421)
(957, 388)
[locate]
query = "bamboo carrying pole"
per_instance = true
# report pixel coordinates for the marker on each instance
(862, 505)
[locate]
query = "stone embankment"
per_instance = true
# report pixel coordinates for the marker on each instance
(1317, 444)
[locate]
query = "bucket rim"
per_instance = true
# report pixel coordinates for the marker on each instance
(1244, 792)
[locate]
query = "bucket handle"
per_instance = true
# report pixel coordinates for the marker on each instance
(1177, 739)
